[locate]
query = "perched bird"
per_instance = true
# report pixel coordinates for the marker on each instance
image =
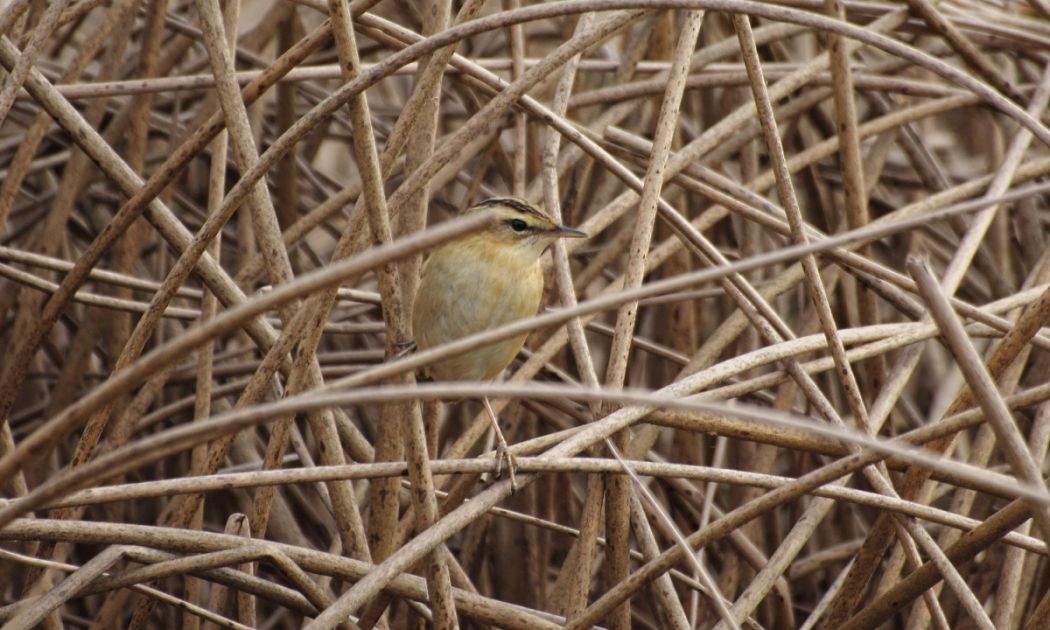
(481, 281)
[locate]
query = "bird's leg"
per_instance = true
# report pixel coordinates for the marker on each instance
(502, 450)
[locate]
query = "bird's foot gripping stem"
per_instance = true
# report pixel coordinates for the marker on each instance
(503, 454)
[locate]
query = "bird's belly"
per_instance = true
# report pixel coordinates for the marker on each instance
(480, 364)
(470, 305)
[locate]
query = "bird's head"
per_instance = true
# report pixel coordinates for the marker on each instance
(521, 227)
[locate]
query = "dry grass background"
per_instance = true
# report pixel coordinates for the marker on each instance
(797, 377)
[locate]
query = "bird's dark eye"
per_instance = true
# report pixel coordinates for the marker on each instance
(517, 225)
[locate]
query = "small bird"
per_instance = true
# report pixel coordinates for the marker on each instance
(481, 281)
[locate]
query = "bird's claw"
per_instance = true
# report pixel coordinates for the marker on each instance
(504, 456)
(502, 450)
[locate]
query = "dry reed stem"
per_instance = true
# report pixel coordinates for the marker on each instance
(753, 177)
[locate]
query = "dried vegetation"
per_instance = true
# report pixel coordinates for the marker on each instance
(797, 377)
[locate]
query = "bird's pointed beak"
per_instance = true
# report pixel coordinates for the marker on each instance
(563, 231)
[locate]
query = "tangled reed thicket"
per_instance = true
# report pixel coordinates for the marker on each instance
(796, 377)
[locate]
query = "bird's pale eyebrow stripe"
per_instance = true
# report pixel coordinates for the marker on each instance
(516, 204)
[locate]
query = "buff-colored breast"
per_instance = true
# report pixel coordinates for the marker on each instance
(468, 286)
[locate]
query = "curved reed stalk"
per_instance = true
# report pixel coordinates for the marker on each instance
(738, 406)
